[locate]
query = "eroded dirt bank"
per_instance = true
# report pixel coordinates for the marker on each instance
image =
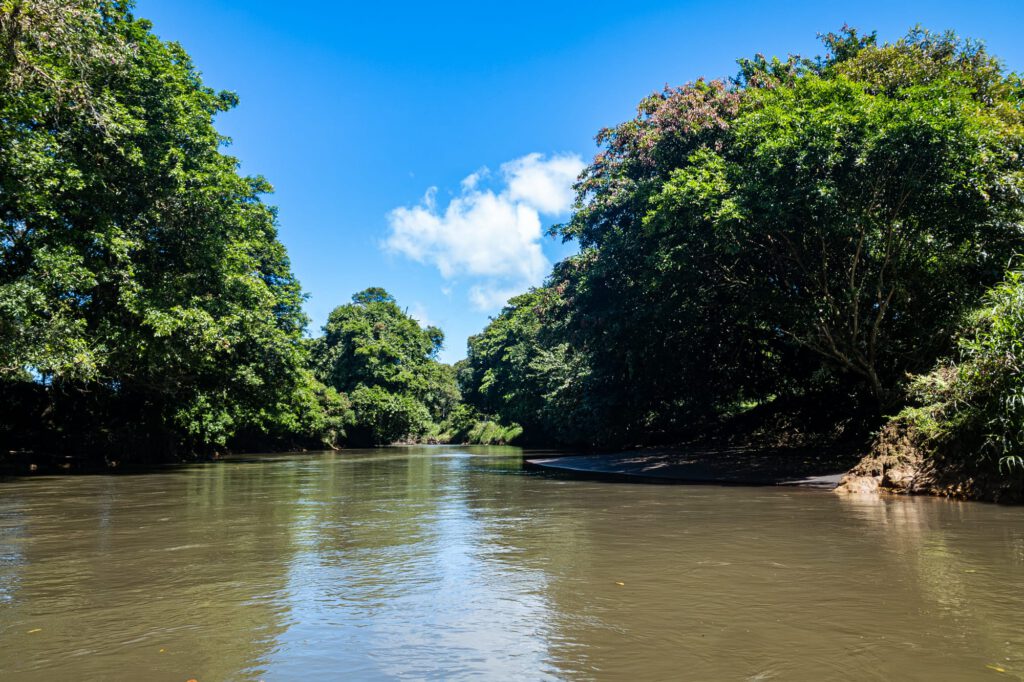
(898, 463)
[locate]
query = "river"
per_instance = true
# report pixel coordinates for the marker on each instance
(453, 563)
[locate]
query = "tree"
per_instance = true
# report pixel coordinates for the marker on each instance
(383, 417)
(857, 208)
(381, 357)
(811, 228)
(858, 225)
(520, 371)
(144, 295)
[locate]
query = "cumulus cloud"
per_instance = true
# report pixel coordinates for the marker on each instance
(479, 233)
(491, 236)
(418, 312)
(544, 184)
(492, 295)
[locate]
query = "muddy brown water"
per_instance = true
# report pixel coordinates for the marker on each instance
(453, 563)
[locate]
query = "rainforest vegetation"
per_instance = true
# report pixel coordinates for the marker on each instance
(382, 359)
(825, 242)
(813, 240)
(147, 307)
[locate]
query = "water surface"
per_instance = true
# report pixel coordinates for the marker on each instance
(452, 563)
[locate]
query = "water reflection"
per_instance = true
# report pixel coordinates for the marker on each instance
(961, 560)
(452, 563)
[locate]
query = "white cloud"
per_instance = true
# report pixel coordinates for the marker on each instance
(492, 295)
(473, 179)
(419, 313)
(546, 185)
(487, 234)
(479, 233)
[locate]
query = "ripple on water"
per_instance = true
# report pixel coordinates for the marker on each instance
(449, 564)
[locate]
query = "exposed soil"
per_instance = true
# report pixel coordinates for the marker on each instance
(899, 462)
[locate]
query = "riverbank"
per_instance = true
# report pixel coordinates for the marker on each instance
(29, 463)
(890, 467)
(901, 462)
(805, 467)
(818, 443)
(17, 463)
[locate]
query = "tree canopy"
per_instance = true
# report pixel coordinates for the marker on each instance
(375, 352)
(809, 225)
(144, 295)
(814, 229)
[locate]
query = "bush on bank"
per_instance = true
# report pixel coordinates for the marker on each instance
(964, 430)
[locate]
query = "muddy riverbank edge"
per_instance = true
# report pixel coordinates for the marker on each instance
(804, 467)
(892, 466)
(899, 463)
(816, 443)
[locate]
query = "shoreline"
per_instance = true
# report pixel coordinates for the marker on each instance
(806, 468)
(825, 468)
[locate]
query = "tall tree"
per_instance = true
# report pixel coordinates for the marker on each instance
(144, 295)
(810, 226)
(386, 362)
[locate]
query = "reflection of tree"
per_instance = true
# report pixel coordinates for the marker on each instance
(13, 526)
(956, 556)
(156, 577)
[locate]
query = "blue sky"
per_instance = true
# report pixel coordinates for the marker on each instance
(423, 147)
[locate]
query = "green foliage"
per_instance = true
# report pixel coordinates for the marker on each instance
(381, 357)
(144, 295)
(466, 425)
(990, 382)
(456, 427)
(861, 226)
(492, 433)
(372, 341)
(499, 362)
(519, 372)
(810, 227)
(805, 227)
(383, 417)
(971, 413)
